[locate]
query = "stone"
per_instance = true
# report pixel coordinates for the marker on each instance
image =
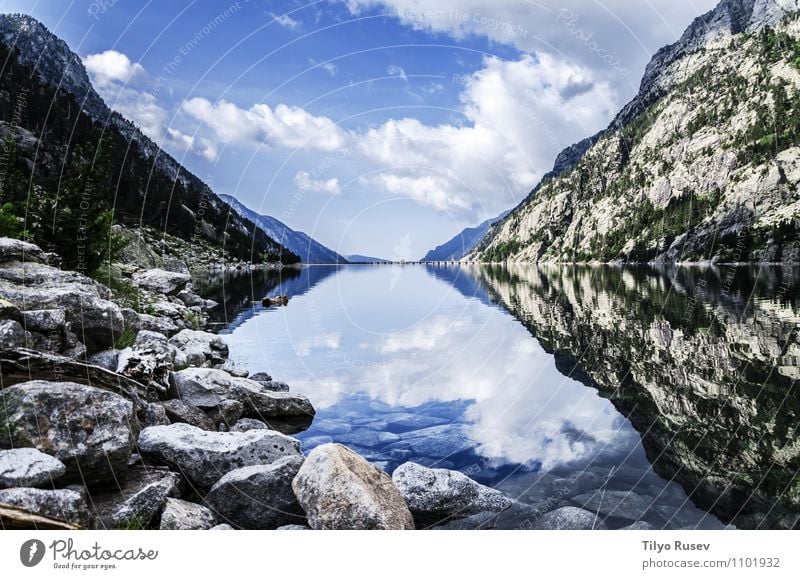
(569, 519)
(234, 369)
(222, 527)
(12, 335)
(313, 441)
(179, 412)
(106, 359)
(332, 426)
(293, 528)
(226, 414)
(435, 494)
(261, 377)
(413, 421)
(259, 496)
(9, 311)
(180, 515)
(204, 457)
(340, 490)
(90, 430)
(158, 324)
(62, 504)
(17, 250)
(435, 441)
(152, 414)
(615, 504)
(639, 526)
(149, 359)
(139, 500)
(368, 438)
(28, 467)
(518, 516)
(161, 281)
(45, 321)
(200, 347)
(245, 424)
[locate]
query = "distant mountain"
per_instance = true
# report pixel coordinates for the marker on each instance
(463, 243)
(55, 120)
(365, 259)
(309, 250)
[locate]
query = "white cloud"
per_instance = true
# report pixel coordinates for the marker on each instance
(305, 183)
(394, 70)
(113, 67)
(285, 20)
(283, 126)
(328, 67)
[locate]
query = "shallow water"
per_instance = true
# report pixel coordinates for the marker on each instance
(620, 390)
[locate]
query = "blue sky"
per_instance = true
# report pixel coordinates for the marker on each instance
(380, 127)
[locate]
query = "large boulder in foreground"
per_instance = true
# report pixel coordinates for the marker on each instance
(62, 504)
(91, 431)
(204, 457)
(161, 281)
(338, 489)
(28, 467)
(258, 497)
(200, 347)
(435, 494)
(181, 515)
(86, 303)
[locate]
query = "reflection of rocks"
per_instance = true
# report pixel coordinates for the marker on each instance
(690, 364)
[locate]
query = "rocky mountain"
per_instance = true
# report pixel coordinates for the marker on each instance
(59, 125)
(463, 243)
(365, 259)
(703, 164)
(299, 243)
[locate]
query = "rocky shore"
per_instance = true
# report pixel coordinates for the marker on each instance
(113, 418)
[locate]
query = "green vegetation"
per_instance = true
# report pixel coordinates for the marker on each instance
(125, 339)
(502, 251)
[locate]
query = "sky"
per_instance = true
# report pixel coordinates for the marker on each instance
(378, 127)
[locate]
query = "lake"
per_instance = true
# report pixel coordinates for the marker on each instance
(659, 395)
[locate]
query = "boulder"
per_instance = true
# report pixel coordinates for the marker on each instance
(18, 250)
(139, 500)
(161, 281)
(158, 324)
(258, 497)
(89, 311)
(28, 467)
(91, 431)
(106, 359)
(340, 490)
(45, 321)
(222, 527)
(62, 504)
(182, 515)
(207, 388)
(200, 347)
(234, 369)
(226, 414)
(149, 359)
(293, 528)
(180, 412)
(12, 335)
(568, 519)
(261, 377)
(435, 494)
(204, 457)
(152, 414)
(245, 424)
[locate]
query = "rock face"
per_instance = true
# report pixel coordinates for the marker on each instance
(63, 504)
(258, 497)
(91, 431)
(673, 178)
(28, 467)
(205, 457)
(340, 490)
(434, 494)
(161, 281)
(182, 515)
(36, 286)
(200, 347)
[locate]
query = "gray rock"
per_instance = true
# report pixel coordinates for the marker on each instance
(340, 490)
(616, 504)
(275, 386)
(413, 421)
(28, 467)
(234, 369)
(207, 388)
(200, 347)
(182, 515)
(258, 497)
(12, 335)
(222, 527)
(332, 426)
(517, 517)
(179, 412)
(293, 528)
(261, 377)
(435, 441)
(161, 281)
(313, 441)
(18, 250)
(226, 414)
(106, 359)
(435, 494)
(368, 438)
(89, 311)
(569, 519)
(152, 414)
(62, 504)
(139, 500)
(158, 324)
(91, 431)
(639, 526)
(205, 457)
(245, 424)
(45, 321)
(149, 359)
(9, 311)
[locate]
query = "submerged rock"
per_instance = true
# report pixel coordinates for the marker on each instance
(616, 504)
(91, 431)
(340, 490)
(62, 504)
(205, 457)
(258, 497)
(182, 515)
(434, 494)
(569, 519)
(28, 467)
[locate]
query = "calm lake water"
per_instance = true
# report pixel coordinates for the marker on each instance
(665, 396)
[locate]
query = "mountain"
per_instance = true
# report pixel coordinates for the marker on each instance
(309, 250)
(365, 259)
(78, 153)
(463, 243)
(703, 164)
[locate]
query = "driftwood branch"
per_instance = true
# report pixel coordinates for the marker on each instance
(16, 519)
